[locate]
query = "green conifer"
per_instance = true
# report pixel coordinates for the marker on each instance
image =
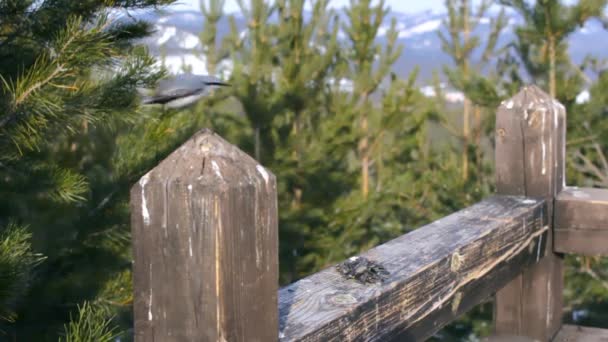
(69, 74)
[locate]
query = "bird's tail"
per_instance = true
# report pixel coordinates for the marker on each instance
(146, 100)
(145, 95)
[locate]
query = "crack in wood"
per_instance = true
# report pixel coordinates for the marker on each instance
(484, 269)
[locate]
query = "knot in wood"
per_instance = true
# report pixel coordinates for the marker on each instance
(456, 262)
(342, 299)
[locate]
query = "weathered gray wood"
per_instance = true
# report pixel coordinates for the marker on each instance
(582, 242)
(205, 242)
(581, 221)
(573, 333)
(437, 272)
(582, 208)
(508, 338)
(530, 155)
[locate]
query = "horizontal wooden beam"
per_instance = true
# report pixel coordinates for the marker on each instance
(572, 333)
(581, 221)
(436, 273)
(567, 333)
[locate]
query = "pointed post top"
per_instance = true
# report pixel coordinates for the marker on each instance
(531, 97)
(206, 158)
(530, 144)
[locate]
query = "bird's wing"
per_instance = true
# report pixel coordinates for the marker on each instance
(168, 96)
(187, 81)
(174, 83)
(212, 80)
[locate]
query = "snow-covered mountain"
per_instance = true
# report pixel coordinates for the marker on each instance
(176, 39)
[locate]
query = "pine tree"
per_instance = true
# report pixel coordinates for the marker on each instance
(588, 130)
(305, 52)
(251, 53)
(68, 72)
(220, 111)
(281, 76)
(214, 53)
(370, 65)
(541, 43)
(470, 61)
(403, 176)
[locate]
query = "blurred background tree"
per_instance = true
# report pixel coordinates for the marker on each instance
(472, 74)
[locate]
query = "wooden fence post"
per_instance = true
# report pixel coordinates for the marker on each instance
(205, 242)
(530, 153)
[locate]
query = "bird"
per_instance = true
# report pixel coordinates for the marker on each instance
(181, 91)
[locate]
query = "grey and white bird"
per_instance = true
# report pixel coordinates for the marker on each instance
(181, 91)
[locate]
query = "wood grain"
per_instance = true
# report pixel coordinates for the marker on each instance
(581, 221)
(530, 156)
(437, 272)
(573, 333)
(582, 242)
(205, 243)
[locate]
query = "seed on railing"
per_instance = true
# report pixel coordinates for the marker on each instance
(363, 270)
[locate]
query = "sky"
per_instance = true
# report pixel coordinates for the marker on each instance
(404, 6)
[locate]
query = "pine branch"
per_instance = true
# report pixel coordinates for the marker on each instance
(41, 181)
(588, 167)
(43, 96)
(602, 157)
(16, 264)
(590, 272)
(22, 92)
(91, 324)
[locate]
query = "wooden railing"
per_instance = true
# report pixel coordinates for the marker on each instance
(205, 241)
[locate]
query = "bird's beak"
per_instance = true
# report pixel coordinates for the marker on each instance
(219, 84)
